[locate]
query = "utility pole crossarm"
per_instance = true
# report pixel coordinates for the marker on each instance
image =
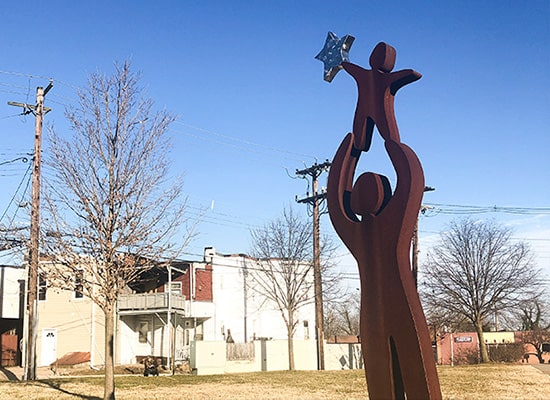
(313, 198)
(315, 169)
(29, 108)
(314, 172)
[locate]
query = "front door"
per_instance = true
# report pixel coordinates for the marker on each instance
(49, 346)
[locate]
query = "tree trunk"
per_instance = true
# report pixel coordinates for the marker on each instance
(290, 337)
(539, 354)
(483, 354)
(109, 383)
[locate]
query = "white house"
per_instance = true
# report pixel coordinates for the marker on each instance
(244, 312)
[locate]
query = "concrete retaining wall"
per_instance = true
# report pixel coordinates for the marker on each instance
(272, 355)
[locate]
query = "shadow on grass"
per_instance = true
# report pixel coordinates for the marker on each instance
(10, 375)
(57, 386)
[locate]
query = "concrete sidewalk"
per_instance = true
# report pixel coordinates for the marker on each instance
(542, 367)
(16, 373)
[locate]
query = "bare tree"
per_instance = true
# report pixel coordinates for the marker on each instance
(533, 314)
(476, 271)
(112, 209)
(539, 339)
(535, 326)
(284, 274)
(342, 316)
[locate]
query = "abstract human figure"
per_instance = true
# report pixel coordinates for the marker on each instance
(377, 226)
(377, 88)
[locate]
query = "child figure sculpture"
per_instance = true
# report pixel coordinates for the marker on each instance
(377, 226)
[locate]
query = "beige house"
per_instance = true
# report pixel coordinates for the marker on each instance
(151, 320)
(67, 322)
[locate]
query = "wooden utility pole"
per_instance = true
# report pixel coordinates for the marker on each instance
(314, 200)
(32, 286)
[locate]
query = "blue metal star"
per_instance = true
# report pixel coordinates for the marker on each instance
(335, 52)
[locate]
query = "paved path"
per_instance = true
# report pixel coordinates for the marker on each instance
(543, 367)
(16, 373)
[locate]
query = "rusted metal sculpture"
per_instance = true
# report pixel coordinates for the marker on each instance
(377, 225)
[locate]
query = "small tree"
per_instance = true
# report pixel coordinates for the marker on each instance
(284, 274)
(342, 317)
(535, 326)
(533, 314)
(539, 339)
(477, 270)
(112, 210)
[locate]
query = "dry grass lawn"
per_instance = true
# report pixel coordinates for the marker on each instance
(461, 382)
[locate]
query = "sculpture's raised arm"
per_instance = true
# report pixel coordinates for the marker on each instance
(339, 187)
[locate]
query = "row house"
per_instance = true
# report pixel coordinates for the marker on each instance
(160, 315)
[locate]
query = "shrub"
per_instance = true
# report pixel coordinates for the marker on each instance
(466, 356)
(507, 352)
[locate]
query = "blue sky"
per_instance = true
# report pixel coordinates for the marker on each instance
(253, 106)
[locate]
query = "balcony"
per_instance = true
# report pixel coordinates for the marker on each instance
(149, 302)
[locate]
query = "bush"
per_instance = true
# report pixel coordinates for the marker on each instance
(507, 352)
(466, 356)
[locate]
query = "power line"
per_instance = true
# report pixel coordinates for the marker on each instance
(455, 209)
(244, 142)
(20, 205)
(17, 191)
(23, 159)
(26, 75)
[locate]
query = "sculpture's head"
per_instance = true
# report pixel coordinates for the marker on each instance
(382, 57)
(370, 194)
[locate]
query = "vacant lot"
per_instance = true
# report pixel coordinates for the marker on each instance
(461, 382)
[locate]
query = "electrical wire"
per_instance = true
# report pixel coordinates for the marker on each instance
(26, 175)
(457, 209)
(243, 141)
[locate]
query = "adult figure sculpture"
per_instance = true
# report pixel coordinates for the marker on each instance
(377, 226)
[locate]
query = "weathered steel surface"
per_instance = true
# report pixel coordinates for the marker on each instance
(377, 225)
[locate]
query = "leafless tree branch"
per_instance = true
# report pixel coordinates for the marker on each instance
(475, 271)
(111, 209)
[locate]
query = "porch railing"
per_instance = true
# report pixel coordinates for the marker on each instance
(150, 301)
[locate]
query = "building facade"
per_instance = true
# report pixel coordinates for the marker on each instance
(12, 292)
(244, 312)
(160, 315)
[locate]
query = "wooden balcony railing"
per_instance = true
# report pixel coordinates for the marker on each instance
(150, 301)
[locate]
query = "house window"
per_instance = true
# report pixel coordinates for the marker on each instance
(176, 288)
(306, 330)
(78, 287)
(143, 328)
(42, 287)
